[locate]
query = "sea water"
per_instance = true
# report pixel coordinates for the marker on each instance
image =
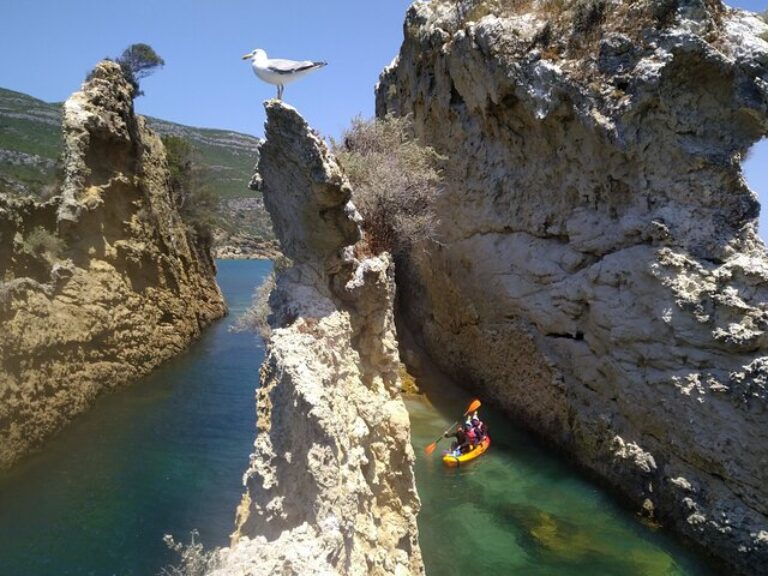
(166, 455)
(519, 509)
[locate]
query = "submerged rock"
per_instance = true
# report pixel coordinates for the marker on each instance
(330, 489)
(598, 272)
(98, 285)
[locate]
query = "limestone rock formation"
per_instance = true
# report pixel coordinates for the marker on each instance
(102, 283)
(598, 272)
(330, 489)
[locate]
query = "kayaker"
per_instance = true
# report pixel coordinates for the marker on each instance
(461, 438)
(471, 435)
(479, 427)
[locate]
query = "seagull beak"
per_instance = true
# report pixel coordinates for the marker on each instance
(247, 56)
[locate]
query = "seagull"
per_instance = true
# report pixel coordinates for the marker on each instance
(280, 72)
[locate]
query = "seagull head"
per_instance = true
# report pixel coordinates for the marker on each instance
(258, 53)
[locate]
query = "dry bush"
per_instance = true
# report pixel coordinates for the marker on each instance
(42, 242)
(311, 326)
(254, 319)
(408, 381)
(195, 560)
(552, 8)
(476, 10)
(395, 181)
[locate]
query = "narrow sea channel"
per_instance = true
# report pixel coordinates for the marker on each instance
(520, 510)
(166, 455)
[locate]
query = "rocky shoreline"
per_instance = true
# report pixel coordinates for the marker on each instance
(598, 272)
(101, 283)
(330, 488)
(242, 246)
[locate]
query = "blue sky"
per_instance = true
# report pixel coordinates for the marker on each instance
(756, 164)
(49, 45)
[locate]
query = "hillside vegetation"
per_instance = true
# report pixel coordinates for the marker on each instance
(30, 145)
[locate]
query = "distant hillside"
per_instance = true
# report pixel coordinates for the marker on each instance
(228, 156)
(30, 143)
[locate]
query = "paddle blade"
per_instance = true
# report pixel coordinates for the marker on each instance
(431, 448)
(474, 405)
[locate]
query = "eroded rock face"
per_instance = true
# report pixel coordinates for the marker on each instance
(100, 284)
(599, 273)
(330, 489)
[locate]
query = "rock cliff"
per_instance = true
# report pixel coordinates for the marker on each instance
(330, 489)
(102, 283)
(598, 272)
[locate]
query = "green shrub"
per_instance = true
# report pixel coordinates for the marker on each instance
(137, 62)
(395, 181)
(587, 15)
(179, 153)
(42, 242)
(201, 210)
(664, 11)
(543, 36)
(196, 201)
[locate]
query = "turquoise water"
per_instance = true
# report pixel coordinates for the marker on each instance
(519, 510)
(167, 454)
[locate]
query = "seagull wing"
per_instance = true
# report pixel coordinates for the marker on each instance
(291, 66)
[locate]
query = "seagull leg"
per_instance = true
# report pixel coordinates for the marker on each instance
(279, 91)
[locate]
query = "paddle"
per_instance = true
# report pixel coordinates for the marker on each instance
(474, 405)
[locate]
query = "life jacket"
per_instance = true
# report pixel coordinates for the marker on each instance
(471, 436)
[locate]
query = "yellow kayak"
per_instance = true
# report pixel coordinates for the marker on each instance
(452, 461)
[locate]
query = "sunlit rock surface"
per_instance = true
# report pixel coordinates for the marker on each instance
(330, 489)
(102, 283)
(598, 272)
